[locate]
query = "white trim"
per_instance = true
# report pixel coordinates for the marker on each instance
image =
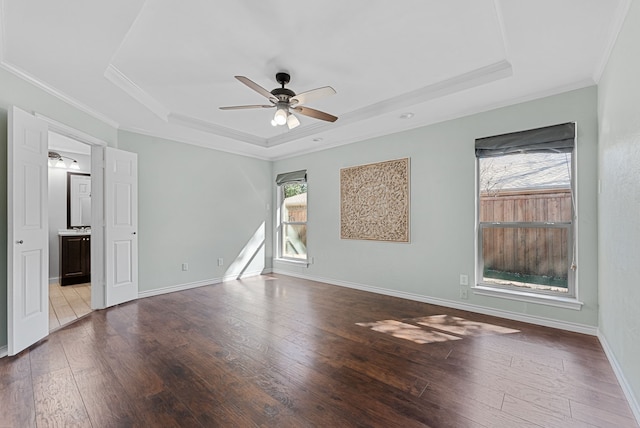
(474, 78)
(292, 262)
(193, 142)
(402, 127)
(624, 384)
(39, 84)
(54, 280)
(523, 296)
(178, 287)
(4, 351)
(196, 284)
(618, 20)
(235, 276)
(68, 131)
(222, 131)
(56, 93)
(531, 319)
(129, 87)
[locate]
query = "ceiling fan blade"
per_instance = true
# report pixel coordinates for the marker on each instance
(292, 121)
(316, 114)
(259, 89)
(312, 95)
(245, 107)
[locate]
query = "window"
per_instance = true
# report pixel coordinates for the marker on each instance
(526, 211)
(292, 215)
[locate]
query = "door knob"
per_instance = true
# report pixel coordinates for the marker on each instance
(20, 242)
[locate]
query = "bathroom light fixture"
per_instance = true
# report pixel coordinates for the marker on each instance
(56, 160)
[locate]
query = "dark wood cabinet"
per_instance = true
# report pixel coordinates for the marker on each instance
(75, 259)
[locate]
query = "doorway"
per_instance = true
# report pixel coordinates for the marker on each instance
(69, 229)
(114, 214)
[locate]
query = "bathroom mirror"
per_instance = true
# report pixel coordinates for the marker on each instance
(78, 200)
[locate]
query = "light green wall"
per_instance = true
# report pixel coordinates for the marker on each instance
(443, 207)
(197, 205)
(619, 202)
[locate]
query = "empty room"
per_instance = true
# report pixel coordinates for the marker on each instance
(332, 214)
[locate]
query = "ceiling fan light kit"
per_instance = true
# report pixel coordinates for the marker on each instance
(285, 100)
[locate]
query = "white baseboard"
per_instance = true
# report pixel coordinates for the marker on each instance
(54, 280)
(196, 284)
(177, 287)
(233, 277)
(628, 392)
(531, 319)
(4, 351)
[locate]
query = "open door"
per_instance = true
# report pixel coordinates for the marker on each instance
(121, 226)
(28, 224)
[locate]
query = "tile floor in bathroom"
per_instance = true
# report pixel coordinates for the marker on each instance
(68, 303)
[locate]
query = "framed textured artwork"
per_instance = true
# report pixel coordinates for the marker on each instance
(374, 201)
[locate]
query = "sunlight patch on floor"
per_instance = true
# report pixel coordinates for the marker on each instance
(461, 326)
(442, 328)
(407, 331)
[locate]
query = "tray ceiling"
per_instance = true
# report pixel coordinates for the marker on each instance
(163, 67)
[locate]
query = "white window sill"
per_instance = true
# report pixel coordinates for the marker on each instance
(523, 296)
(301, 263)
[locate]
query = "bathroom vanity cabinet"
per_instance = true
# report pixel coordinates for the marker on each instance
(75, 259)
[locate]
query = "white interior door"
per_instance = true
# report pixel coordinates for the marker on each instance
(121, 226)
(28, 247)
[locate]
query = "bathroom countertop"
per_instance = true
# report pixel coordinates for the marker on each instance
(74, 232)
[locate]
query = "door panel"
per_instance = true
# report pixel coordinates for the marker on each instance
(28, 248)
(32, 264)
(121, 224)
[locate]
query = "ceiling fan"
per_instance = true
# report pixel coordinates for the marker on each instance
(286, 101)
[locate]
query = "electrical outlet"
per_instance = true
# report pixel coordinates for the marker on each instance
(464, 279)
(220, 261)
(464, 293)
(185, 266)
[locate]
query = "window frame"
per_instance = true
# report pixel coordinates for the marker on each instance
(549, 297)
(282, 223)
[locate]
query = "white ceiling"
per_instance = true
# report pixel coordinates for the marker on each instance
(163, 67)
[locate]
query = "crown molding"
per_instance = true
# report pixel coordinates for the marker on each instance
(222, 131)
(118, 78)
(4, 64)
(480, 76)
(58, 94)
(618, 21)
(191, 141)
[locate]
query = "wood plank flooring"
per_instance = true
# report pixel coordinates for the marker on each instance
(278, 351)
(68, 303)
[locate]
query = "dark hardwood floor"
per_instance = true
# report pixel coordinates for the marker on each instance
(279, 351)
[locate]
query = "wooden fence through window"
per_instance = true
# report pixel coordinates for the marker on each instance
(530, 251)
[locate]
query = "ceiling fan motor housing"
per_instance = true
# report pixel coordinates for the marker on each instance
(283, 94)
